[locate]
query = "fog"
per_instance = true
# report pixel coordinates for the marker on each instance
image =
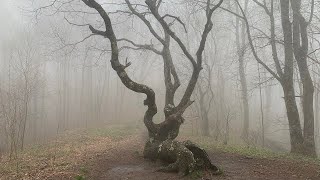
(56, 74)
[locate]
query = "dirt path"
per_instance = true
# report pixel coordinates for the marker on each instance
(110, 159)
(125, 162)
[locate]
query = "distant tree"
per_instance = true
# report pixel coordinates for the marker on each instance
(17, 93)
(241, 51)
(205, 96)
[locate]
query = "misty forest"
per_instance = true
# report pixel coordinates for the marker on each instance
(159, 89)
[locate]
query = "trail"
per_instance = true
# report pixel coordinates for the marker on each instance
(125, 162)
(113, 159)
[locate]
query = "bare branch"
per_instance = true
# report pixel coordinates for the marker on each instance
(312, 12)
(154, 10)
(74, 24)
(263, 6)
(178, 19)
(141, 46)
(148, 24)
(253, 48)
(120, 69)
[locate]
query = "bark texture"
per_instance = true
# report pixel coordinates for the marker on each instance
(183, 157)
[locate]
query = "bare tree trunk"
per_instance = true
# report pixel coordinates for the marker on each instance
(43, 112)
(300, 46)
(203, 113)
(268, 101)
(206, 96)
(288, 86)
(245, 101)
(26, 109)
(67, 94)
(90, 102)
(296, 137)
(226, 136)
(316, 115)
(261, 107)
(35, 119)
(221, 104)
(241, 49)
(64, 94)
(101, 96)
(84, 115)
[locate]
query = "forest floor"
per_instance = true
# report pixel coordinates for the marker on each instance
(116, 154)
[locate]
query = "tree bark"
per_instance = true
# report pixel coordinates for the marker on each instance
(296, 137)
(300, 46)
(183, 157)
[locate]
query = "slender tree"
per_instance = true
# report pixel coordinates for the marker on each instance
(241, 51)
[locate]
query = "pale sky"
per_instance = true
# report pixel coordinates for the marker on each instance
(10, 16)
(11, 20)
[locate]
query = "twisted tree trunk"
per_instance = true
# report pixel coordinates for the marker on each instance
(183, 157)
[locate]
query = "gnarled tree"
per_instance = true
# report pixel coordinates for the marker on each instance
(184, 157)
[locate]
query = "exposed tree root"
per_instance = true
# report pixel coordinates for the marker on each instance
(183, 157)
